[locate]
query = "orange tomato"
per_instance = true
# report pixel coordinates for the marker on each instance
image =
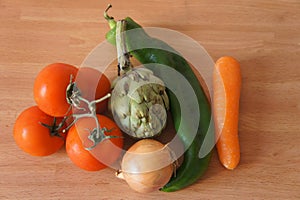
(50, 88)
(104, 154)
(34, 138)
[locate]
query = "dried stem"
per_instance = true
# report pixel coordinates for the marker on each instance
(124, 63)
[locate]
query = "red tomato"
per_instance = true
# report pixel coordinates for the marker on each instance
(50, 88)
(93, 85)
(104, 154)
(34, 138)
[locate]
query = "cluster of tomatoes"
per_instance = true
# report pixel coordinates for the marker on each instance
(59, 119)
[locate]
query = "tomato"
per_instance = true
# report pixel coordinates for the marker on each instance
(93, 85)
(33, 137)
(50, 88)
(104, 154)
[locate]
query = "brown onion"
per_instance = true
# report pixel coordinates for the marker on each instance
(147, 166)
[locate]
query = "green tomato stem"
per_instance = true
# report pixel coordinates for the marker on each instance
(74, 97)
(54, 129)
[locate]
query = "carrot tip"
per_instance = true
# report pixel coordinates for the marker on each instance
(229, 167)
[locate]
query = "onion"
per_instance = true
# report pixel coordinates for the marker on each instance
(147, 166)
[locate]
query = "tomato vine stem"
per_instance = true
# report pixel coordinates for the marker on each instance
(74, 98)
(54, 129)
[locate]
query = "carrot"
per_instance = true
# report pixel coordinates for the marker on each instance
(226, 94)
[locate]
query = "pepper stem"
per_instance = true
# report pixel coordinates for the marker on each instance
(124, 64)
(110, 19)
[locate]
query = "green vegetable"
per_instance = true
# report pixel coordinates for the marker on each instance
(139, 101)
(192, 167)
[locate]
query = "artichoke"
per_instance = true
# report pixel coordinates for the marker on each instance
(139, 100)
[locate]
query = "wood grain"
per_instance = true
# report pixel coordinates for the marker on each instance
(263, 35)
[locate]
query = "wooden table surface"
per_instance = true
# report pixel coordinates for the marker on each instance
(263, 35)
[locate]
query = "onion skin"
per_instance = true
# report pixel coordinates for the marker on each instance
(147, 166)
